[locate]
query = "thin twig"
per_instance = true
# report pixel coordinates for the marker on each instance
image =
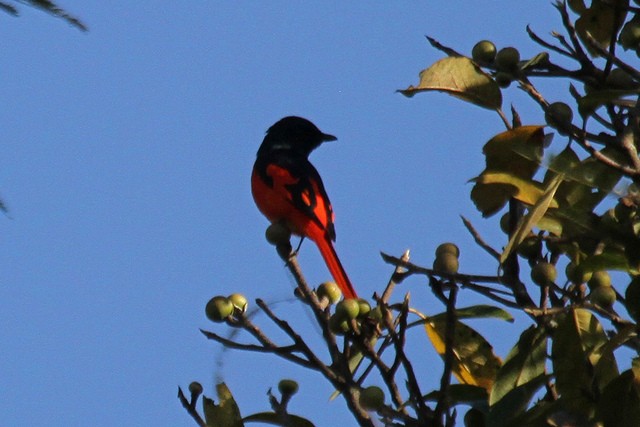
(191, 409)
(393, 280)
(461, 278)
(423, 411)
(449, 51)
(546, 44)
(478, 239)
(443, 405)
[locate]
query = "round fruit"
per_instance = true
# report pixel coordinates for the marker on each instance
(474, 418)
(218, 308)
(347, 309)
(577, 274)
(632, 298)
(278, 234)
(504, 223)
(195, 388)
(530, 247)
(604, 296)
(630, 35)
(544, 273)
(372, 398)
(329, 290)
(484, 52)
(446, 263)
(558, 115)
(599, 279)
(448, 248)
(507, 59)
(363, 307)
(287, 387)
(239, 301)
(503, 79)
(620, 79)
(338, 326)
(376, 314)
(623, 212)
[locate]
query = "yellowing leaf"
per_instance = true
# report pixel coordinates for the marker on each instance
(489, 199)
(517, 151)
(527, 191)
(516, 154)
(462, 78)
(474, 362)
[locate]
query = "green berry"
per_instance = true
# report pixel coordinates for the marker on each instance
(503, 79)
(278, 234)
(448, 248)
(599, 279)
(376, 314)
(195, 388)
(604, 296)
(287, 387)
(348, 309)
(530, 247)
(329, 290)
(507, 59)
(484, 52)
(338, 325)
(544, 273)
(559, 115)
(219, 308)
(239, 301)
(504, 223)
(632, 298)
(630, 35)
(364, 308)
(371, 398)
(474, 418)
(620, 79)
(446, 263)
(577, 274)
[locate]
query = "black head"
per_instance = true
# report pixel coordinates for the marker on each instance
(294, 135)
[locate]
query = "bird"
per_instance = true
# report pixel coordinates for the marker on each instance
(288, 189)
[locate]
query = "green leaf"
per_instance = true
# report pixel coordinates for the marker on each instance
(462, 394)
(577, 349)
(514, 403)
(11, 10)
(601, 22)
(588, 104)
(540, 59)
(534, 215)
(462, 78)
(480, 311)
(619, 405)
(525, 362)
(611, 258)
(272, 418)
(224, 414)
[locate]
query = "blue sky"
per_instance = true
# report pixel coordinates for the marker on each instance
(125, 164)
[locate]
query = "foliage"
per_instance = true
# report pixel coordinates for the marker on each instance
(564, 369)
(47, 6)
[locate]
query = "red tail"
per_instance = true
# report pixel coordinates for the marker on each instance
(335, 267)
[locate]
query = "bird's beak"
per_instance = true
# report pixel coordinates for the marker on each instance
(326, 137)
